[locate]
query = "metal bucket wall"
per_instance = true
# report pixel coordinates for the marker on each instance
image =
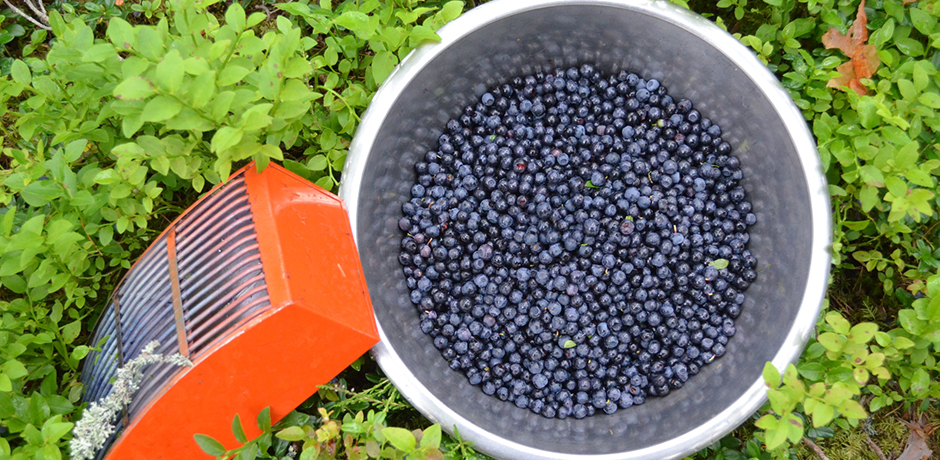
(694, 59)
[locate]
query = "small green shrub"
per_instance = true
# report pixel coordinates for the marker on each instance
(879, 152)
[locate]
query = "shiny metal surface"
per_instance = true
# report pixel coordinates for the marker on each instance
(693, 58)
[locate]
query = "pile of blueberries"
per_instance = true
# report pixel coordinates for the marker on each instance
(577, 242)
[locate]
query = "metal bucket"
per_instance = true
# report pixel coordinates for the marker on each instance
(694, 59)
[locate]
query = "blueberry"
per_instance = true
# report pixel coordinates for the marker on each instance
(563, 236)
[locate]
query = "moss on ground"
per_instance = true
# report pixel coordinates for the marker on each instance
(886, 431)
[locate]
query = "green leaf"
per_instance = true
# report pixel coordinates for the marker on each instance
(80, 352)
(232, 74)
(822, 414)
(13, 369)
(226, 138)
(264, 419)
(431, 438)
(130, 125)
(271, 151)
(921, 79)
(209, 445)
(850, 408)
(256, 117)
(401, 438)
(920, 383)
(907, 156)
(357, 22)
(771, 375)
(930, 311)
(20, 72)
(149, 42)
(292, 433)
(930, 99)
(203, 88)
(5, 384)
(235, 17)
(813, 371)
(832, 342)
(107, 176)
(924, 22)
(570, 344)
(317, 163)
(41, 192)
(7, 223)
(237, 429)
(134, 89)
(71, 330)
(777, 436)
(196, 65)
(907, 89)
(872, 176)
(52, 432)
(863, 332)
(99, 53)
(908, 320)
(383, 63)
(867, 113)
(720, 264)
(121, 33)
(161, 108)
(48, 452)
(170, 71)
(451, 10)
(896, 186)
(255, 19)
(198, 182)
(909, 46)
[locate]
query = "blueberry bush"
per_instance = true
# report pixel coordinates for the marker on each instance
(106, 139)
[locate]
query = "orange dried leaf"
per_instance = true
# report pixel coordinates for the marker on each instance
(865, 61)
(846, 74)
(857, 35)
(857, 86)
(859, 28)
(863, 57)
(835, 39)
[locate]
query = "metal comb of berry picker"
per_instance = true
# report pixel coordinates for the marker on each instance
(251, 283)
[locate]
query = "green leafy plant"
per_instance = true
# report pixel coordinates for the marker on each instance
(358, 46)
(877, 142)
(356, 437)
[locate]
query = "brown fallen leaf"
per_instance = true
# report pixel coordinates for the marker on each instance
(917, 448)
(863, 57)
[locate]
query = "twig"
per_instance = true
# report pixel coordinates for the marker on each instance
(874, 447)
(266, 11)
(39, 14)
(819, 452)
(28, 17)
